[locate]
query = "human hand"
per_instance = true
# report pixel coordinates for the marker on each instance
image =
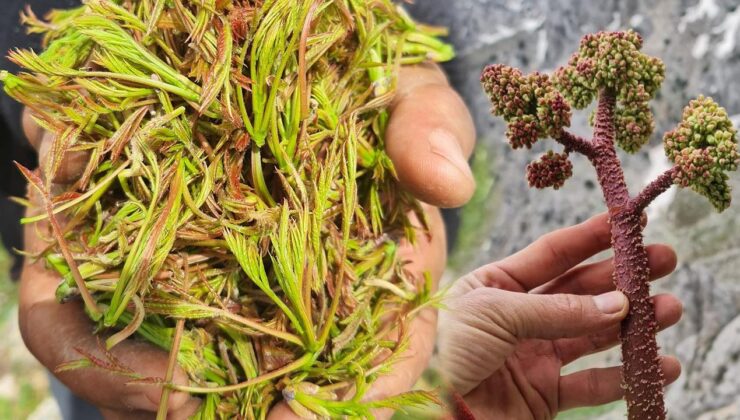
(54, 332)
(429, 139)
(512, 325)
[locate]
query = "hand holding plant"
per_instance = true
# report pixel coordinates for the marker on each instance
(430, 136)
(510, 326)
(611, 69)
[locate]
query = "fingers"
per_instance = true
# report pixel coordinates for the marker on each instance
(668, 311)
(481, 329)
(601, 386)
(596, 278)
(430, 137)
(33, 131)
(553, 254)
(429, 254)
(73, 163)
(282, 412)
(556, 316)
(53, 332)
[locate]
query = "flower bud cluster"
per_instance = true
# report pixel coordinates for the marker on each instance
(635, 125)
(612, 61)
(530, 104)
(704, 147)
(551, 170)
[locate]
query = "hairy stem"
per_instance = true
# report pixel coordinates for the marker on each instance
(298, 364)
(576, 143)
(653, 190)
(171, 364)
(642, 375)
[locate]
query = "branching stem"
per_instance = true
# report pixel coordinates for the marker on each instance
(642, 375)
(576, 143)
(652, 191)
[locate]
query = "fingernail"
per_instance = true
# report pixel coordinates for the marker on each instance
(610, 303)
(445, 144)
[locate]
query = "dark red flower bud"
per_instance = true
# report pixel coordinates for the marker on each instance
(551, 170)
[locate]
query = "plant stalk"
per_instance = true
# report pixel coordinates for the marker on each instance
(642, 375)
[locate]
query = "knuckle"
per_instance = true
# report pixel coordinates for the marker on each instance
(570, 307)
(593, 384)
(600, 229)
(485, 309)
(552, 247)
(465, 284)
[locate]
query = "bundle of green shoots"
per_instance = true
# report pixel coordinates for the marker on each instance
(238, 208)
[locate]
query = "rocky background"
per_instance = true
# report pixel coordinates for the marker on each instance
(699, 40)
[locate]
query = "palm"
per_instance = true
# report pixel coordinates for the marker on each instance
(508, 365)
(427, 116)
(528, 380)
(526, 384)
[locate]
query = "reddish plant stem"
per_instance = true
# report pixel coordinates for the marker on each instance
(576, 144)
(459, 409)
(164, 400)
(653, 190)
(641, 371)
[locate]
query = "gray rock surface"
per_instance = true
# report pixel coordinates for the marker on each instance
(700, 42)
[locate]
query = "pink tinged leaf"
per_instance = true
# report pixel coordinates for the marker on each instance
(123, 135)
(160, 238)
(38, 184)
(73, 365)
(131, 328)
(67, 196)
(217, 78)
(32, 178)
(59, 147)
(109, 363)
(302, 65)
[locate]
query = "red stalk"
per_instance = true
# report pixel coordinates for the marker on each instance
(641, 371)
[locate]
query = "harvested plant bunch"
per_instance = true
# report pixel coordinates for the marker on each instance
(238, 208)
(609, 67)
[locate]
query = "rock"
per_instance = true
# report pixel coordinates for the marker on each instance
(8, 387)
(699, 40)
(47, 410)
(731, 412)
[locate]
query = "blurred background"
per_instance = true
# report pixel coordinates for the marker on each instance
(699, 40)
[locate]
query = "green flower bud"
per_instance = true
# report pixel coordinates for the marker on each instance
(574, 86)
(613, 61)
(704, 147)
(635, 125)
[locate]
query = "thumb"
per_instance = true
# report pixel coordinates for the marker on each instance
(282, 412)
(430, 136)
(555, 316)
(73, 163)
(480, 329)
